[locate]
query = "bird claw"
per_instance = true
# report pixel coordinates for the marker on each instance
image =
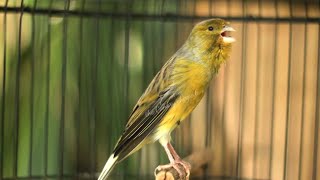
(161, 168)
(185, 164)
(177, 166)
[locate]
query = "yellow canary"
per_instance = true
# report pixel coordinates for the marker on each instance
(174, 92)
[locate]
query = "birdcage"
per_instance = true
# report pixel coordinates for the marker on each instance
(72, 70)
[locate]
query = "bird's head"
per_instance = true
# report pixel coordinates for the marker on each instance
(211, 33)
(210, 42)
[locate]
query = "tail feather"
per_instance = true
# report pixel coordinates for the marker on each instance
(108, 167)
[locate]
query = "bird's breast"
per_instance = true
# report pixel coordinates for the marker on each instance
(182, 108)
(190, 80)
(191, 77)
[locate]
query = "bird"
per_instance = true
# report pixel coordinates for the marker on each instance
(173, 93)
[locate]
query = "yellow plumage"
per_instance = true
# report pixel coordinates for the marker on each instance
(174, 92)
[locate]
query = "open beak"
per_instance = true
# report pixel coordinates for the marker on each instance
(225, 34)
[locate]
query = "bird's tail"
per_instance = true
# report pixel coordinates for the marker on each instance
(108, 167)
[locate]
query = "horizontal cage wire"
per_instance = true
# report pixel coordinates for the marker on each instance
(72, 70)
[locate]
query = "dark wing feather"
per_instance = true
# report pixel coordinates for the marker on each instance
(144, 124)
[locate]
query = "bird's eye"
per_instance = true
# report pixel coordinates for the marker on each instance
(210, 28)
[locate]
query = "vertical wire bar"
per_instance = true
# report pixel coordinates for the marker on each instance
(3, 86)
(80, 92)
(145, 67)
(303, 93)
(46, 128)
(63, 87)
(139, 155)
(126, 62)
(274, 80)
(210, 8)
(178, 138)
(229, 7)
(317, 115)
(112, 62)
(154, 63)
(110, 85)
(208, 100)
(209, 107)
(223, 125)
(181, 139)
(157, 66)
(32, 87)
(162, 31)
(95, 87)
(258, 88)
(179, 135)
(242, 90)
(162, 37)
(17, 100)
(178, 5)
(162, 34)
(154, 60)
(286, 151)
(46, 123)
(31, 91)
(190, 148)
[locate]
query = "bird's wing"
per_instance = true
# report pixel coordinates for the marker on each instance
(148, 118)
(148, 112)
(158, 86)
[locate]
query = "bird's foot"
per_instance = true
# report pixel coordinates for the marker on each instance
(185, 164)
(180, 166)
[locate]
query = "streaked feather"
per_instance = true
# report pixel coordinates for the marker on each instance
(144, 124)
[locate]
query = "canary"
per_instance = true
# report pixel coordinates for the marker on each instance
(174, 92)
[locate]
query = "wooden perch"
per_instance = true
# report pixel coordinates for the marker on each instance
(197, 160)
